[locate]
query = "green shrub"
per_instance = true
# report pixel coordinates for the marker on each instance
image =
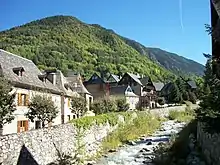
(105, 105)
(161, 100)
(122, 105)
(182, 116)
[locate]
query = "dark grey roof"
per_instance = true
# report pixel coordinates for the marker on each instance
(29, 78)
(121, 90)
(115, 77)
(62, 83)
(158, 86)
(145, 80)
(135, 78)
(77, 84)
(95, 79)
(192, 84)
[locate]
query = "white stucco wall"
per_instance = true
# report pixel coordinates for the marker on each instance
(132, 101)
(87, 96)
(22, 110)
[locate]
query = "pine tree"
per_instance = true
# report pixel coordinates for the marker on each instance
(209, 111)
(7, 104)
(180, 84)
(192, 97)
(175, 95)
(208, 72)
(185, 96)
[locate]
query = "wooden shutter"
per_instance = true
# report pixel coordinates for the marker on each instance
(68, 102)
(19, 99)
(26, 100)
(26, 125)
(18, 126)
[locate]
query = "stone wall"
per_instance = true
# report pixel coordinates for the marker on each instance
(163, 112)
(210, 145)
(40, 145)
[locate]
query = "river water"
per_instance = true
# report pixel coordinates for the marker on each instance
(141, 151)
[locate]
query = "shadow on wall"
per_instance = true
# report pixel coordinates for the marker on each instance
(25, 157)
(182, 149)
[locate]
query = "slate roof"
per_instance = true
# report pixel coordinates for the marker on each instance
(61, 82)
(158, 86)
(99, 80)
(29, 78)
(192, 84)
(115, 77)
(76, 84)
(135, 78)
(121, 90)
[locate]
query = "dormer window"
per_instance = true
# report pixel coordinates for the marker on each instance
(66, 86)
(18, 71)
(42, 77)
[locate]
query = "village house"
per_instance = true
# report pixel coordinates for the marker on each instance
(97, 86)
(142, 86)
(125, 91)
(76, 84)
(27, 81)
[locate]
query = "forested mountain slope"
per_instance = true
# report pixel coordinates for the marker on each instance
(66, 43)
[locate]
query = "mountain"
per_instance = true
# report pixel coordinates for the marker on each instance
(173, 62)
(66, 43)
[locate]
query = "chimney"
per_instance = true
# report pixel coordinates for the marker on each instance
(52, 78)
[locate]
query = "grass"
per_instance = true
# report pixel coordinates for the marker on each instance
(182, 116)
(144, 124)
(112, 118)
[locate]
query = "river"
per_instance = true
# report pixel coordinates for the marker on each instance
(141, 151)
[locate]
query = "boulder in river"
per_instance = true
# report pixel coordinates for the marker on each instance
(131, 143)
(149, 143)
(112, 150)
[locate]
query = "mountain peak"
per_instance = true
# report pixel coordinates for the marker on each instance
(55, 20)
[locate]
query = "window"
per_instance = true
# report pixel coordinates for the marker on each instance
(23, 99)
(129, 89)
(68, 117)
(69, 102)
(18, 71)
(90, 102)
(74, 116)
(37, 124)
(22, 126)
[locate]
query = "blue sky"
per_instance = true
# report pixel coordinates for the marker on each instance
(150, 22)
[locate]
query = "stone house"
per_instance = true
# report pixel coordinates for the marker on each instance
(76, 84)
(71, 86)
(27, 81)
(142, 87)
(97, 86)
(125, 91)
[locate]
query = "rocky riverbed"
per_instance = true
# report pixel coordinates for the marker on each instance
(141, 151)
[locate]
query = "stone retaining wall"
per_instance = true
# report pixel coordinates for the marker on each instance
(210, 145)
(163, 112)
(40, 145)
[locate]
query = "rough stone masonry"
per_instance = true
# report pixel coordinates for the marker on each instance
(40, 146)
